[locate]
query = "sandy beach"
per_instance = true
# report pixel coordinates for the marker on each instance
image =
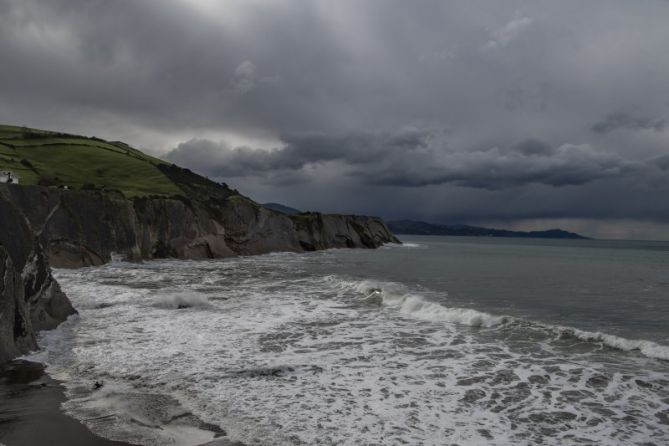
(30, 411)
(30, 414)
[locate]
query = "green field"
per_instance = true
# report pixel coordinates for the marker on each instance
(57, 159)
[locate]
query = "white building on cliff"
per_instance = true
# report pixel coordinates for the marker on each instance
(7, 176)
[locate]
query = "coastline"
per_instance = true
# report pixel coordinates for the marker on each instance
(30, 411)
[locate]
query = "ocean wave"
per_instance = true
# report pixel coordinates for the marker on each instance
(302, 358)
(647, 348)
(413, 304)
(421, 308)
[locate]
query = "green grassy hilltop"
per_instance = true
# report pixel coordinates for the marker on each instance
(59, 159)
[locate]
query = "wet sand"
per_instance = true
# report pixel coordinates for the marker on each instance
(30, 411)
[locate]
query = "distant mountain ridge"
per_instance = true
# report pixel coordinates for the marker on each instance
(423, 228)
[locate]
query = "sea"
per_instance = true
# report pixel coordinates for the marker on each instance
(437, 341)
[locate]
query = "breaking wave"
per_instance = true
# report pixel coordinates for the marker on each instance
(647, 348)
(413, 304)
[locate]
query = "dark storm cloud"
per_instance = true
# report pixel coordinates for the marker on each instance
(621, 120)
(275, 67)
(299, 150)
(490, 98)
(494, 170)
(166, 64)
(662, 162)
(411, 158)
(533, 146)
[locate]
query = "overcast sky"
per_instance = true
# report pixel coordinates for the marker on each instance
(521, 114)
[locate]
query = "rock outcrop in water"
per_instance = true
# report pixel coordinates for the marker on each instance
(42, 227)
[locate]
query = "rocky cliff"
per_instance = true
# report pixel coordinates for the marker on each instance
(82, 228)
(42, 227)
(30, 299)
(82, 199)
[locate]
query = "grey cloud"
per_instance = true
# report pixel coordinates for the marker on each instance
(411, 158)
(621, 120)
(299, 150)
(344, 67)
(218, 160)
(533, 146)
(329, 83)
(506, 34)
(662, 162)
(245, 77)
(570, 165)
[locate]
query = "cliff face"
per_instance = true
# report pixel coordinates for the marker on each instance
(171, 212)
(82, 228)
(42, 227)
(30, 299)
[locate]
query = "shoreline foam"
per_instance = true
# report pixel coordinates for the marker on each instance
(30, 411)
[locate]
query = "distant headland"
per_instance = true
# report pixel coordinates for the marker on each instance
(423, 228)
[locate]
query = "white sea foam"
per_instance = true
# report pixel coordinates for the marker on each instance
(413, 304)
(181, 301)
(404, 245)
(292, 357)
(117, 257)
